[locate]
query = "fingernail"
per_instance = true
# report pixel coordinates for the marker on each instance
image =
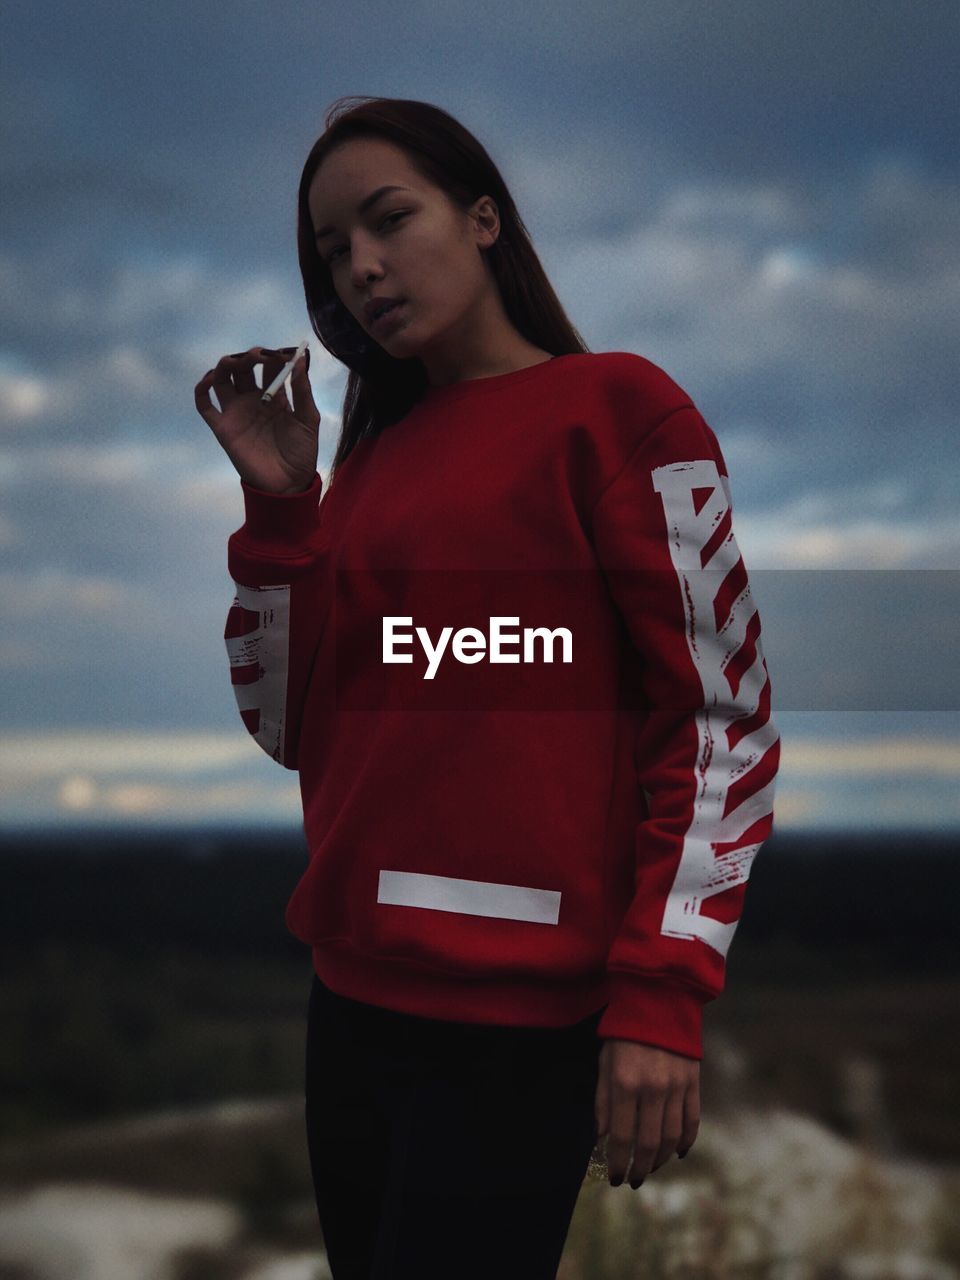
(638, 1183)
(681, 1154)
(615, 1182)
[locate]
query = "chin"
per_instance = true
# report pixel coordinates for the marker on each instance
(398, 346)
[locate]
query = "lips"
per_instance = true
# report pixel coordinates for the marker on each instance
(387, 317)
(373, 306)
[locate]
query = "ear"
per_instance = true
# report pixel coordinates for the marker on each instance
(486, 219)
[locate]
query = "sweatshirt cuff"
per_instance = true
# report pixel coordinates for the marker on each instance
(281, 519)
(655, 1011)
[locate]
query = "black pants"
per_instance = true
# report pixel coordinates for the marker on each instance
(445, 1149)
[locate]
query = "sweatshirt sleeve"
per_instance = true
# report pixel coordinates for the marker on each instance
(707, 748)
(278, 561)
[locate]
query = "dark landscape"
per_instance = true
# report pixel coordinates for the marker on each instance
(152, 975)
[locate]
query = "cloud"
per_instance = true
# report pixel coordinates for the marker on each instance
(813, 533)
(80, 796)
(132, 343)
(9, 534)
(25, 399)
(889, 754)
(161, 775)
(102, 774)
(25, 754)
(737, 281)
(57, 593)
(763, 202)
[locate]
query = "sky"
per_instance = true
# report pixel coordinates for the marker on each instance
(763, 199)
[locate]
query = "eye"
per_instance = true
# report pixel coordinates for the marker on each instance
(397, 213)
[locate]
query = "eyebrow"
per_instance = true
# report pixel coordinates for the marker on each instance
(362, 207)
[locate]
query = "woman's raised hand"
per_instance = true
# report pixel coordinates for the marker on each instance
(271, 446)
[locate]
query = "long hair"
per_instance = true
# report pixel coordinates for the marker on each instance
(380, 388)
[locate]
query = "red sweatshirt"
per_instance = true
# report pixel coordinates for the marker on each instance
(514, 656)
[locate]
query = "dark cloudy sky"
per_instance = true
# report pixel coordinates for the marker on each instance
(761, 198)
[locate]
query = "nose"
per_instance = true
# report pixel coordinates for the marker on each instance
(364, 269)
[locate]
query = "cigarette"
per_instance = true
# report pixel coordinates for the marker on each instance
(285, 372)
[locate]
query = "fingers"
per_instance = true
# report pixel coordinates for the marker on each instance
(651, 1110)
(304, 407)
(218, 379)
(691, 1118)
(669, 1135)
(241, 369)
(205, 406)
(624, 1105)
(274, 360)
(649, 1102)
(234, 374)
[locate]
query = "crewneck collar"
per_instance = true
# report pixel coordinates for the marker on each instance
(470, 387)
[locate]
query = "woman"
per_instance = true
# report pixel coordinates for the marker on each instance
(512, 940)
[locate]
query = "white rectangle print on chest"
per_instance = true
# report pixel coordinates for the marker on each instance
(468, 897)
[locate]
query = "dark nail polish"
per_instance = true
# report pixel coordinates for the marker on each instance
(635, 1185)
(615, 1182)
(681, 1154)
(236, 355)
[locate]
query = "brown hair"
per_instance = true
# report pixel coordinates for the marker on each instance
(380, 388)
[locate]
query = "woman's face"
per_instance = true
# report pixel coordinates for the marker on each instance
(414, 244)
